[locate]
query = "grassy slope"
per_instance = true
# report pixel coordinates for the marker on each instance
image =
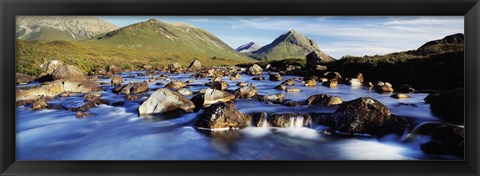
(130, 49)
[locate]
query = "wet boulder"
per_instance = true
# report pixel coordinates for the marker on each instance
(360, 77)
(131, 88)
(280, 87)
(21, 78)
(55, 88)
(241, 84)
(82, 114)
(367, 116)
(400, 96)
(117, 80)
(40, 104)
(133, 97)
(196, 65)
(443, 138)
(173, 67)
(115, 69)
(275, 77)
(330, 83)
(289, 82)
(255, 70)
(175, 85)
(258, 78)
(68, 72)
(185, 91)
(165, 100)
(70, 86)
(404, 88)
(310, 82)
(324, 99)
(293, 103)
(383, 87)
(354, 82)
(213, 96)
(246, 92)
(259, 119)
(292, 90)
(221, 116)
(51, 66)
(333, 76)
(100, 71)
(289, 120)
(147, 67)
(78, 105)
(92, 97)
(219, 85)
(273, 98)
(448, 105)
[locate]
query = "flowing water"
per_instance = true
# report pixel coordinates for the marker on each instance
(118, 133)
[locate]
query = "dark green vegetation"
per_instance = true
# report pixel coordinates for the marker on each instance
(436, 65)
(289, 45)
(147, 43)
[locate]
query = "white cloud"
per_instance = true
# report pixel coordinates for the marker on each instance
(201, 20)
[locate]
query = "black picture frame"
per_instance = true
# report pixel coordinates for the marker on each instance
(10, 8)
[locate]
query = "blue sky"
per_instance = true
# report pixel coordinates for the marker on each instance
(335, 35)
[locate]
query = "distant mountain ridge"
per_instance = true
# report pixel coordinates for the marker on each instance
(70, 28)
(249, 47)
(291, 44)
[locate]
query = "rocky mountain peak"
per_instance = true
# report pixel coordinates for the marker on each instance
(249, 47)
(61, 27)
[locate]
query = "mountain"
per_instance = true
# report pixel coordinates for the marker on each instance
(249, 47)
(172, 40)
(150, 42)
(70, 28)
(291, 44)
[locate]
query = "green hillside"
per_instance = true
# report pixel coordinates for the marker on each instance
(152, 42)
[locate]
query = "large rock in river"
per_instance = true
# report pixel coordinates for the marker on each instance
(448, 105)
(175, 85)
(51, 66)
(174, 67)
(246, 92)
(221, 115)
(21, 78)
(132, 88)
(117, 80)
(165, 100)
(275, 77)
(213, 96)
(115, 69)
(366, 115)
(324, 99)
(195, 66)
(255, 70)
(289, 120)
(55, 88)
(68, 72)
(445, 139)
